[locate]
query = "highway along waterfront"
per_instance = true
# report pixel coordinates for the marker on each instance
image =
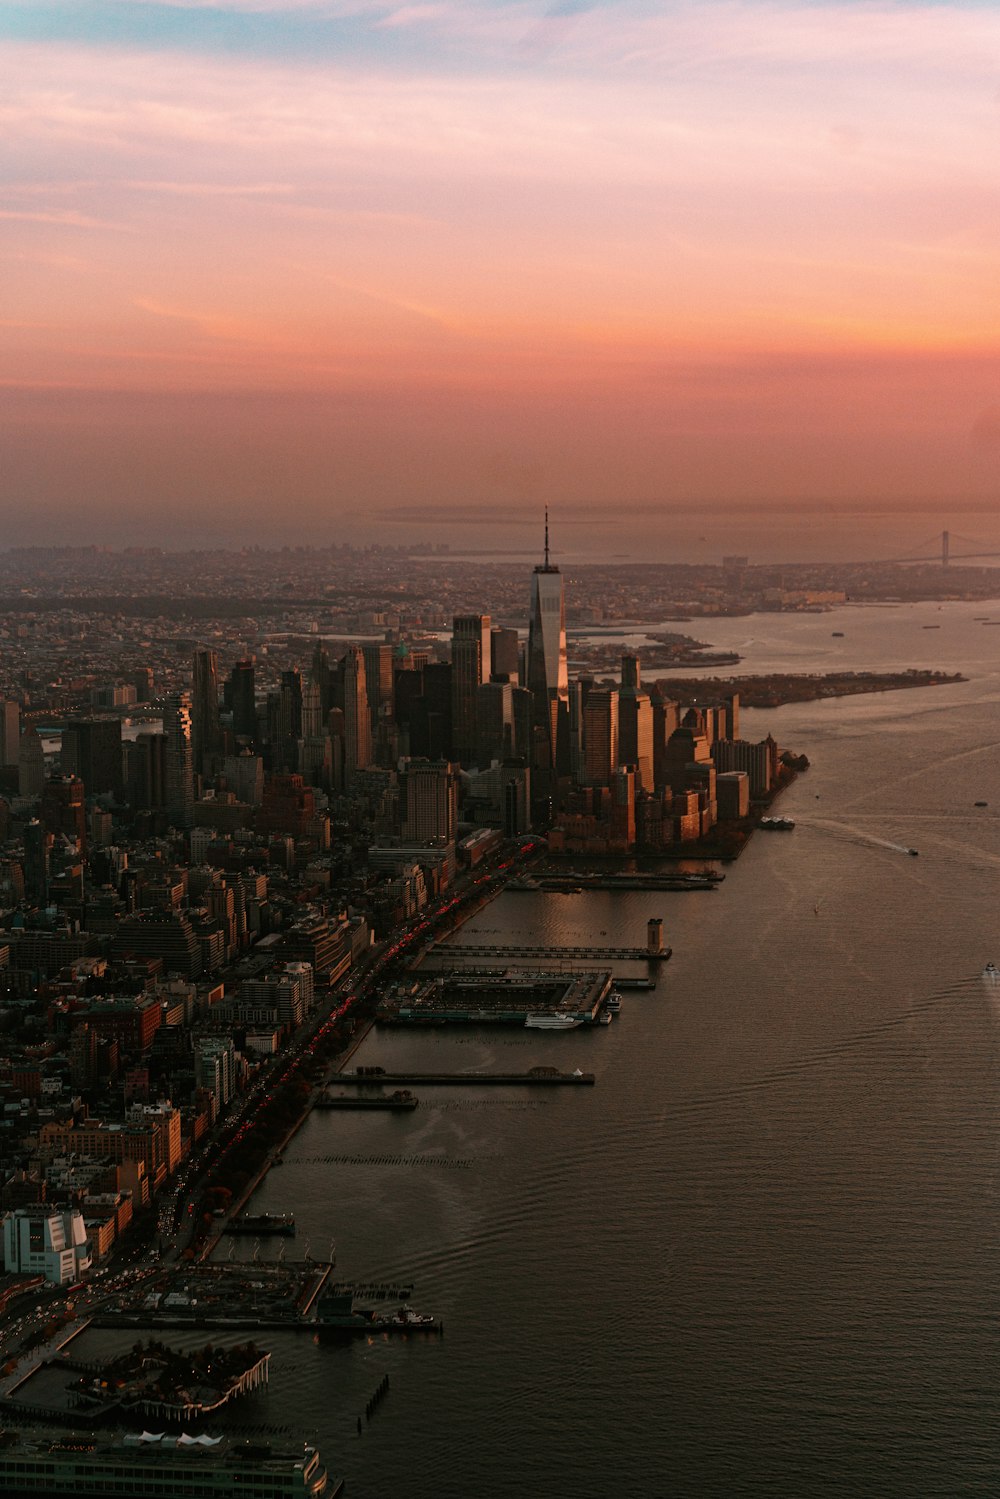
(763, 1247)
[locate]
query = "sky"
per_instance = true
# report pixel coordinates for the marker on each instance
(307, 270)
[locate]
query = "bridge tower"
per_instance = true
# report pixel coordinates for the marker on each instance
(945, 547)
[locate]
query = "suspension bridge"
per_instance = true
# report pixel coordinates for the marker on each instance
(940, 548)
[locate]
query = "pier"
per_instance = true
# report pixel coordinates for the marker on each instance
(538, 1077)
(609, 954)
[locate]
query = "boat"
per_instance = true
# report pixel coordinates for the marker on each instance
(263, 1223)
(614, 1002)
(777, 824)
(552, 1020)
(523, 882)
(982, 804)
(338, 1311)
(141, 1465)
(605, 1017)
(930, 627)
(991, 974)
(913, 852)
(837, 634)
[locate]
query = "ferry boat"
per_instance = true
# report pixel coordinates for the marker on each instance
(552, 1020)
(614, 1001)
(140, 1466)
(777, 824)
(991, 974)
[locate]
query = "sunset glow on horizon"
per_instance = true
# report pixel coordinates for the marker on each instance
(481, 253)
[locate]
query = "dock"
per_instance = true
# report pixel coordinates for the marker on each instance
(393, 1105)
(603, 954)
(538, 1077)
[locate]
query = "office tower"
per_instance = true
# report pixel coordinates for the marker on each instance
(321, 674)
(10, 730)
(30, 764)
(244, 775)
(285, 721)
(688, 748)
(505, 654)
(37, 842)
(730, 726)
(243, 700)
(579, 690)
(357, 718)
(92, 750)
(494, 722)
(522, 715)
(548, 677)
(288, 806)
(178, 760)
(430, 716)
(623, 790)
(470, 662)
(600, 734)
(63, 810)
(429, 800)
(312, 710)
(147, 776)
(760, 761)
(515, 797)
(206, 730)
(666, 718)
(378, 681)
(142, 681)
(635, 724)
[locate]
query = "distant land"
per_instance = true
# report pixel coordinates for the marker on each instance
(777, 688)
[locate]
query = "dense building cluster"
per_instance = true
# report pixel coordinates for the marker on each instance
(202, 829)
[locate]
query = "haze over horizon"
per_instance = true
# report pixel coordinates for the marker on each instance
(315, 269)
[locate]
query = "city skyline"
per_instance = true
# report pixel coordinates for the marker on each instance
(303, 268)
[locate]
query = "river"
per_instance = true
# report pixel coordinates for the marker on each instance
(762, 1255)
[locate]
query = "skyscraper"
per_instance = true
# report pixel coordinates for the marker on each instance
(178, 760)
(357, 717)
(430, 800)
(206, 730)
(600, 731)
(30, 763)
(92, 749)
(548, 677)
(242, 698)
(470, 668)
(10, 730)
(635, 723)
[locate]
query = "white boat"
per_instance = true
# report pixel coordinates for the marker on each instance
(614, 1001)
(552, 1020)
(991, 974)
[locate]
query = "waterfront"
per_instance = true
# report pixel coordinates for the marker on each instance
(761, 1256)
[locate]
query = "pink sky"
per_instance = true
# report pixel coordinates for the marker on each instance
(343, 257)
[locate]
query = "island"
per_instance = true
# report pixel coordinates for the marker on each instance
(777, 688)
